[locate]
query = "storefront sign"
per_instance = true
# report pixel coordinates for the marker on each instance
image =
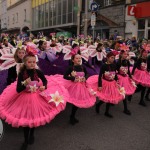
(131, 10)
(142, 10)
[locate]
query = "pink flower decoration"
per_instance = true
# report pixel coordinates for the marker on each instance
(124, 47)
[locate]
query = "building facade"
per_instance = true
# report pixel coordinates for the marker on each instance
(137, 19)
(109, 18)
(19, 15)
(0, 14)
(54, 15)
(3, 15)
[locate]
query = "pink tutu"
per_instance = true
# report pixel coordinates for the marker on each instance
(142, 77)
(30, 109)
(110, 93)
(127, 83)
(80, 96)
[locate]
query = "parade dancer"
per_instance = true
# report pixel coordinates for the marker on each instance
(141, 75)
(80, 96)
(97, 52)
(105, 85)
(124, 78)
(45, 53)
(34, 103)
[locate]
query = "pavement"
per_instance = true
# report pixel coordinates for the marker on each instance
(93, 132)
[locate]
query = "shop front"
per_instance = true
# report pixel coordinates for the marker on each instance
(142, 13)
(138, 20)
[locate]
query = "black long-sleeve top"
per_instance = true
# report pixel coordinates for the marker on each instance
(30, 73)
(124, 63)
(78, 68)
(138, 64)
(106, 67)
(12, 75)
(148, 63)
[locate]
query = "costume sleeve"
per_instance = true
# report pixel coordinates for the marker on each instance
(129, 73)
(118, 65)
(85, 71)
(68, 75)
(102, 70)
(136, 65)
(20, 86)
(42, 77)
(115, 69)
(148, 63)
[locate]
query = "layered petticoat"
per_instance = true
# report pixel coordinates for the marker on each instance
(111, 92)
(142, 77)
(34, 109)
(128, 84)
(80, 95)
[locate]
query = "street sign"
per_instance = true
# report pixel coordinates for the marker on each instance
(93, 19)
(94, 6)
(93, 23)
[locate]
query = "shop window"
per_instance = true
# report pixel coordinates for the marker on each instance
(58, 20)
(141, 24)
(70, 18)
(149, 34)
(141, 34)
(64, 19)
(148, 22)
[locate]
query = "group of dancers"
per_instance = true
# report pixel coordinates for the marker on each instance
(32, 99)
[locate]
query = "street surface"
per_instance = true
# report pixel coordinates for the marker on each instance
(93, 132)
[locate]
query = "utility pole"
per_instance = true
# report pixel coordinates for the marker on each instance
(86, 18)
(78, 16)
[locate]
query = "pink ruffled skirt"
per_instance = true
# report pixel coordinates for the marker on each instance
(30, 109)
(142, 77)
(110, 92)
(80, 95)
(127, 83)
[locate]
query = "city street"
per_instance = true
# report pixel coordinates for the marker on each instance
(107, 40)
(93, 132)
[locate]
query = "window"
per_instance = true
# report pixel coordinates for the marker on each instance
(46, 14)
(64, 12)
(25, 15)
(141, 24)
(148, 22)
(141, 34)
(8, 20)
(13, 19)
(16, 17)
(149, 34)
(107, 2)
(144, 28)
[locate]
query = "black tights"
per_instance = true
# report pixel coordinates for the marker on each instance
(107, 106)
(142, 93)
(147, 93)
(74, 110)
(129, 98)
(125, 104)
(28, 133)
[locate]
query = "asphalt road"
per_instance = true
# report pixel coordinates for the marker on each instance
(93, 132)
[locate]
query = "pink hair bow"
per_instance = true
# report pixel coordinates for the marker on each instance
(74, 51)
